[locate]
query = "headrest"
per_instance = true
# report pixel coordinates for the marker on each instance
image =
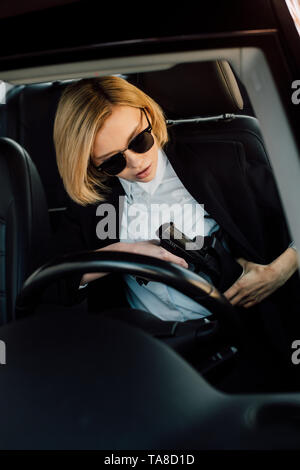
(30, 117)
(193, 89)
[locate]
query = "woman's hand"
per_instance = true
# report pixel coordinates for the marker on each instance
(259, 281)
(148, 247)
(152, 248)
(89, 277)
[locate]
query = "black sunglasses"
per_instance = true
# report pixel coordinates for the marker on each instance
(139, 144)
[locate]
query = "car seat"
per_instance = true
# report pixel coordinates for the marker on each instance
(24, 223)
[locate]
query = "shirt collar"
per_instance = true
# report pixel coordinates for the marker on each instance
(150, 186)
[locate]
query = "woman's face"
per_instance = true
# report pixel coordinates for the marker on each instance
(124, 123)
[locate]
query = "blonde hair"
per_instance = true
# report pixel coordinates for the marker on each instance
(82, 110)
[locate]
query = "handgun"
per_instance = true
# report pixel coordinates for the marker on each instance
(175, 241)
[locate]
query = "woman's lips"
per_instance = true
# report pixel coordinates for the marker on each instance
(144, 173)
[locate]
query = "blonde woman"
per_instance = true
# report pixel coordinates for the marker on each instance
(111, 140)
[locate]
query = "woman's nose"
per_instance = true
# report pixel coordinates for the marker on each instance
(133, 160)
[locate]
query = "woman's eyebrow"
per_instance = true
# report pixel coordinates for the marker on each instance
(116, 151)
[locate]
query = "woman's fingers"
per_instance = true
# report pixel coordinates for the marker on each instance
(250, 304)
(178, 260)
(232, 291)
(151, 248)
(244, 296)
(248, 296)
(257, 283)
(183, 263)
(168, 256)
(240, 292)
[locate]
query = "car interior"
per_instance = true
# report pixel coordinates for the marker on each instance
(211, 99)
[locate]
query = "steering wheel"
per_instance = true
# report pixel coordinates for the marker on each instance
(154, 269)
(73, 394)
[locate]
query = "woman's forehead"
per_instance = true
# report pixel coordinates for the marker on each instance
(116, 130)
(120, 118)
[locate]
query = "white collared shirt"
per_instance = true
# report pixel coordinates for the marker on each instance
(152, 201)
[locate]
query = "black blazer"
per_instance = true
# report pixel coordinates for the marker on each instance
(241, 195)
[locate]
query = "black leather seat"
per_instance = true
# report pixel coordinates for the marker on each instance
(28, 118)
(212, 91)
(24, 223)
